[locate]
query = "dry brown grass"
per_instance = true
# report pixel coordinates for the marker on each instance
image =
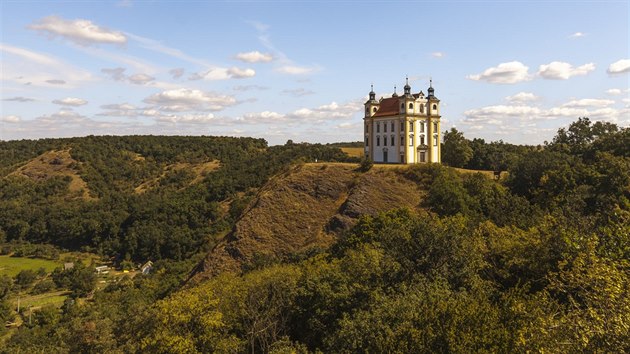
(55, 163)
(307, 208)
(353, 151)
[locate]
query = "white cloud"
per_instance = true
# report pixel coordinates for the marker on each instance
(11, 119)
(56, 82)
(180, 100)
(117, 74)
(224, 74)
(19, 99)
(186, 118)
(566, 111)
(119, 110)
(120, 106)
(325, 113)
(70, 101)
(589, 102)
(254, 57)
(619, 67)
(25, 66)
(238, 73)
(577, 35)
(140, 79)
(250, 87)
(504, 73)
(437, 55)
(495, 113)
(296, 70)
(297, 92)
(83, 32)
(614, 91)
(562, 71)
(522, 97)
(264, 117)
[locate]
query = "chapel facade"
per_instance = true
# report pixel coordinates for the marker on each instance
(403, 129)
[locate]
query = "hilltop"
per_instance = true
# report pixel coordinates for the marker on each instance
(307, 208)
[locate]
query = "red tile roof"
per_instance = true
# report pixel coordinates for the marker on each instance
(389, 107)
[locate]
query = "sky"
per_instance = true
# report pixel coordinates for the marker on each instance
(515, 71)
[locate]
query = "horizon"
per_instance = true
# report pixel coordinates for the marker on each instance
(505, 70)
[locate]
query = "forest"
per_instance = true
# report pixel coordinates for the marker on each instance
(537, 261)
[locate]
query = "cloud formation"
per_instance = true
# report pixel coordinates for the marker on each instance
(26, 66)
(82, 32)
(140, 79)
(619, 67)
(56, 82)
(557, 70)
(11, 119)
(297, 92)
(19, 99)
(296, 70)
(504, 73)
(577, 35)
(224, 74)
(254, 57)
(589, 102)
(437, 55)
(70, 101)
(116, 74)
(522, 97)
(182, 100)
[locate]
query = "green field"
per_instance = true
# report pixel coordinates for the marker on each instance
(12, 265)
(55, 298)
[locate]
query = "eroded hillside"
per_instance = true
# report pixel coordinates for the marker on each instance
(55, 163)
(308, 208)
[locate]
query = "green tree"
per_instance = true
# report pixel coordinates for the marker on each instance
(456, 151)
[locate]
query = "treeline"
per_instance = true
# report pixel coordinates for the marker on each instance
(172, 220)
(536, 263)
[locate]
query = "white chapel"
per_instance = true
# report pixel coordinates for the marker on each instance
(403, 129)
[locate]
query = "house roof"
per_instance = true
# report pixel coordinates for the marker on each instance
(388, 107)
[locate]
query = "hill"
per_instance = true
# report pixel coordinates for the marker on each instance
(307, 208)
(136, 197)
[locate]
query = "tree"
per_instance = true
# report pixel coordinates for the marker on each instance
(456, 151)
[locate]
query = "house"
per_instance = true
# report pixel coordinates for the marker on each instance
(68, 265)
(102, 269)
(403, 129)
(147, 267)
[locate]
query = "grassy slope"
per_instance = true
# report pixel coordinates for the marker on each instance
(307, 208)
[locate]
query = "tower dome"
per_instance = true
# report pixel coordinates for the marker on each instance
(431, 90)
(407, 87)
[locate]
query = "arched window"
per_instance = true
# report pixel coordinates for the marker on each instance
(421, 108)
(393, 127)
(434, 106)
(366, 141)
(374, 109)
(385, 140)
(410, 139)
(378, 127)
(411, 106)
(378, 141)
(393, 140)
(402, 106)
(367, 110)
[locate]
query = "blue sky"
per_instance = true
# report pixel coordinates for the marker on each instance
(510, 70)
